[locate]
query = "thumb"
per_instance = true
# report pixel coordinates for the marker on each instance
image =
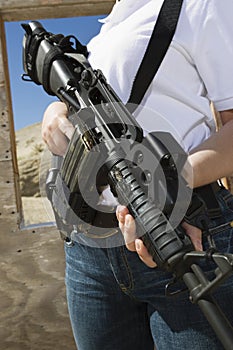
(144, 254)
(66, 127)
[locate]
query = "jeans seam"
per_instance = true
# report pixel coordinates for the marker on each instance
(130, 286)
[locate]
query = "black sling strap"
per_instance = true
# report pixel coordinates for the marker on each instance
(157, 47)
(159, 42)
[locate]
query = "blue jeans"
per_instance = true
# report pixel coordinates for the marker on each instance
(116, 302)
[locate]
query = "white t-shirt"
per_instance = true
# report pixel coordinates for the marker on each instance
(197, 68)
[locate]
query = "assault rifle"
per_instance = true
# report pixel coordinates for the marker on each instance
(144, 173)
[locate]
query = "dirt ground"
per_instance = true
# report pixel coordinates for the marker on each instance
(33, 304)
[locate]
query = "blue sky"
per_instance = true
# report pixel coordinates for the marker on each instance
(28, 99)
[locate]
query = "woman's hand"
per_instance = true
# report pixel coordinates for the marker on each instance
(56, 128)
(128, 228)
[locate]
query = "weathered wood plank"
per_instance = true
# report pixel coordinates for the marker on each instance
(12, 4)
(9, 186)
(32, 9)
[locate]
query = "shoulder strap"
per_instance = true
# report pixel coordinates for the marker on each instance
(157, 47)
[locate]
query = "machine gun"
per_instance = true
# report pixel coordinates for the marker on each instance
(144, 173)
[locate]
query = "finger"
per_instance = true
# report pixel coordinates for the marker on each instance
(197, 242)
(129, 232)
(144, 254)
(128, 227)
(57, 142)
(59, 150)
(121, 212)
(195, 235)
(66, 127)
(54, 138)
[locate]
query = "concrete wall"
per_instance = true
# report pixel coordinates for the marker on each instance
(32, 293)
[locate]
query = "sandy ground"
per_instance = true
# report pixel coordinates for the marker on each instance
(33, 307)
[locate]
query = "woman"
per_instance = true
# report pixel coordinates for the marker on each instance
(116, 301)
